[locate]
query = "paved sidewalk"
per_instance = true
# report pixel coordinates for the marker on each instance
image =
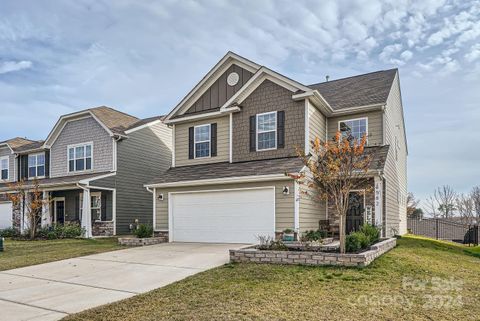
(51, 291)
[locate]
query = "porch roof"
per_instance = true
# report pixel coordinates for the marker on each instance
(55, 181)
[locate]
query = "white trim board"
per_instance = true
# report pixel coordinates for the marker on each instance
(224, 180)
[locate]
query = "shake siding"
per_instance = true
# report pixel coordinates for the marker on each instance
(5, 151)
(181, 142)
(82, 131)
(375, 125)
(395, 170)
(317, 123)
(146, 153)
(284, 207)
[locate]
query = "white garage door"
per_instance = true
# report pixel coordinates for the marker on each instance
(5, 215)
(228, 216)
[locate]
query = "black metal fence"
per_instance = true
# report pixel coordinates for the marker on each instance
(443, 229)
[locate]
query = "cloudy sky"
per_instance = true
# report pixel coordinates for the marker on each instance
(143, 56)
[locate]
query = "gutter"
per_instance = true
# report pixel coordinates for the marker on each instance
(229, 180)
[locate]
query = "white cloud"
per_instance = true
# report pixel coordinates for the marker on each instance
(10, 66)
(406, 55)
(389, 51)
(473, 54)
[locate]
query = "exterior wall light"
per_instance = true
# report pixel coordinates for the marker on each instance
(160, 197)
(286, 190)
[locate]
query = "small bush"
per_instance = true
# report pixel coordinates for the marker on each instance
(57, 231)
(143, 231)
(356, 241)
(9, 232)
(312, 235)
(372, 232)
(269, 243)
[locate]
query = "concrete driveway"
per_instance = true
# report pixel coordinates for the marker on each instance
(51, 291)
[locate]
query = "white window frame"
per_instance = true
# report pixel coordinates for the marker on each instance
(92, 194)
(2, 169)
(36, 165)
(266, 131)
(353, 119)
(195, 142)
(74, 159)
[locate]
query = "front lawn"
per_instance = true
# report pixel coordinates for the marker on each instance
(419, 280)
(24, 253)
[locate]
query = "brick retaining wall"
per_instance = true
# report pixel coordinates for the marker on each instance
(254, 255)
(133, 241)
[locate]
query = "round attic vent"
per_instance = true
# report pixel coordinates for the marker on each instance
(233, 79)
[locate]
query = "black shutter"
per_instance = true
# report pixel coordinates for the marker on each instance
(47, 163)
(190, 143)
(280, 129)
(77, 208)
(104, 206)
(253, 133)
(213, 139)
(24, 166)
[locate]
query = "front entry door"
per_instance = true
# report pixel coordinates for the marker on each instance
(355, 212)
(60, 211)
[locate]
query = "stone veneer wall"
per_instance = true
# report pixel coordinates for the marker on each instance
(102, 228)
(132, 241)
(253, 255)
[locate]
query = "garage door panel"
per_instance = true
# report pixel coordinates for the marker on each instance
(5, 215)
(223, 216)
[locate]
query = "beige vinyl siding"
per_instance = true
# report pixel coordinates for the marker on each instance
(284, 204)
(395, 170)
(317, 123)
(375, 125)
(311, 211)
(181, 142)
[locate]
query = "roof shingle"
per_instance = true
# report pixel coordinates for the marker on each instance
(362, 90)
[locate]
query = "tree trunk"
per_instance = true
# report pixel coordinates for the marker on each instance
(342, 228)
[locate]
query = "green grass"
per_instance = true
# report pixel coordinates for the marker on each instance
(24, 253)
(272, 292)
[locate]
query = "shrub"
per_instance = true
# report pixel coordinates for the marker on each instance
(269, 243)
(143, 231)
(9, 232)
(356, 241)
(372, 232)
(57, 231)
(312, 235)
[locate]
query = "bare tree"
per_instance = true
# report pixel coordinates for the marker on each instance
(475, 195)
(432, 206)
(465, 208)
(412, 204)
(446, 199)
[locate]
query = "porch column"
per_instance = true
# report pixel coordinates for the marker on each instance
(46, 217)
(379, 202)
(86, 213)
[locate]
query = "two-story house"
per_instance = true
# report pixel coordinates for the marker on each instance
(235, 136)
(93, 161)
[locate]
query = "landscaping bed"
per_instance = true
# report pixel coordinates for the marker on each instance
(308, 256)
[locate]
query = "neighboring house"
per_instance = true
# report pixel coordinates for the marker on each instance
(235, 136)
(98, 153)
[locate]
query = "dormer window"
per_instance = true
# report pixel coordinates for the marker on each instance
(36, 165)
(80, 157)
(267, 131)
(4, 164)
(355, 127)
(202, 141)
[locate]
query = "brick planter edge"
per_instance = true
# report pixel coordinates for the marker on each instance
(362, 259)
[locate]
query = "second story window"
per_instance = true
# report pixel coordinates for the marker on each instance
(267, 131)
(4, 163)
(202, 141)
(355, 127)
(36, 165)
(80, 157)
